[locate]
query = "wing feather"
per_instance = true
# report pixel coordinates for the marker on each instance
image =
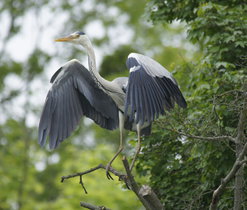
(145, 104)
(156, 99)
(150, 89)
(69, 113)
(74, 94)
(65, 116)
(137, 104)
(150, 107)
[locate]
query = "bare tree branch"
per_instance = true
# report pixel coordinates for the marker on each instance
(82, 184)
(238, 163)
(243, 162)
(145, 194)
(206, 138)
(148, 194)
(100, 166)
(148, 198)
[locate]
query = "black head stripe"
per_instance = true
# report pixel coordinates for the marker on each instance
(80, 33)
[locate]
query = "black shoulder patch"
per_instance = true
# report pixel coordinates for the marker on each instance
(54, 76)
(131, 62)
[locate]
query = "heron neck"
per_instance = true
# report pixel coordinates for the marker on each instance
(91, 59)
(92, 64)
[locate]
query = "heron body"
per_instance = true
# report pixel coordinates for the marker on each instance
(132, 103)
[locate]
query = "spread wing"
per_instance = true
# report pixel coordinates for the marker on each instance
(150, 89)
(74, 94)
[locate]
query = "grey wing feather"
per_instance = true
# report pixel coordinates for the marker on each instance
(150, 89)
(74, 94)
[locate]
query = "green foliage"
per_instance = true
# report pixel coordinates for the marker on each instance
(188, 170)
(218, 27)
(114, 65)
(36, 63)
(33, 181)
(6, 68)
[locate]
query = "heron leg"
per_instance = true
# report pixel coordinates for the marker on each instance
(138, 147)
(120, 149)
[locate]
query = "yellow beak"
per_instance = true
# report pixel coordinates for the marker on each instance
(65, 39)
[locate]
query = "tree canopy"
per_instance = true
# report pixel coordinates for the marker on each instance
(195, 146)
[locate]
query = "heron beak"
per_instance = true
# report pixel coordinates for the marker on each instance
(65, 39)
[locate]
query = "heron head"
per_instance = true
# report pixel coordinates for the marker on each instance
(77, 37)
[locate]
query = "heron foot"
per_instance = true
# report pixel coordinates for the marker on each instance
(108, 175)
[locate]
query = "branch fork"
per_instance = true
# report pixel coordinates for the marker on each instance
(144, 193)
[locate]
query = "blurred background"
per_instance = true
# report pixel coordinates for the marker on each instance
(30, 175)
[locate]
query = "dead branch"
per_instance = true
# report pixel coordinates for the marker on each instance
(145, 194)
(100, 166)
(150, 201)
(206, 138)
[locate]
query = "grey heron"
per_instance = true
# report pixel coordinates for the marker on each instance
(128, 103)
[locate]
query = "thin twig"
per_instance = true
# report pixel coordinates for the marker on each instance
(100, 166)
(230, 92)
(206, 138)
(121, 176)
(82, 184)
